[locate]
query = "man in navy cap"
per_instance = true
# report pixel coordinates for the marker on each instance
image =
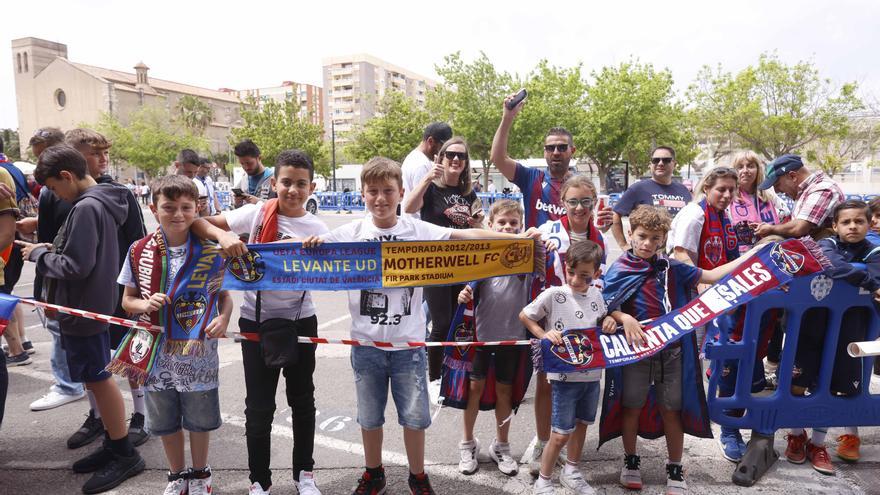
(815, 196)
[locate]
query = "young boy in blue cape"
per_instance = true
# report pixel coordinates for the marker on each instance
(662, 394)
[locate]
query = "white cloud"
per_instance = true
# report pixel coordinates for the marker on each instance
(259, 43)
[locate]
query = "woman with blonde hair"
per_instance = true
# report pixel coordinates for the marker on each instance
(445, 197)
(751, 205)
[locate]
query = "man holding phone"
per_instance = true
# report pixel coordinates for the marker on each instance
(420, 160)
(256, 185)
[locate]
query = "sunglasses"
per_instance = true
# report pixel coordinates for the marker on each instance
(587, 203)
(461, 155)
(552, 148)
(666, 160)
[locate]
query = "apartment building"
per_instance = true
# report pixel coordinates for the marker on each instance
(353, 84)
(309, 97)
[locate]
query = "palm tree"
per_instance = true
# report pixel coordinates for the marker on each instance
(194, 114)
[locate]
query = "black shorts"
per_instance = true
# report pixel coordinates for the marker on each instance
(87, 357)
(846, 376)
(507, 359)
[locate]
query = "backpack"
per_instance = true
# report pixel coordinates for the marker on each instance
(27, 204)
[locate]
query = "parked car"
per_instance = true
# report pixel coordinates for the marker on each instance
(312, 204)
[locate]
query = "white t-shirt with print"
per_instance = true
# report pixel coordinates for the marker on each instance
(566, 309)
(288, 304)
(390, 315)
(188, 373)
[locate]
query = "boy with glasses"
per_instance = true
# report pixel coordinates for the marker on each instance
(659, 190)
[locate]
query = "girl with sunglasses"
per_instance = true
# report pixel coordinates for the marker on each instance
(445, 197)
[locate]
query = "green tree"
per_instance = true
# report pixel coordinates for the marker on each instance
(194, 114)
(11, 144)
(833, 154)
(470, 101)
(629, 109)
(771, 108)
(150, 141)
(393, 132)
(557, 98)
(277, 126)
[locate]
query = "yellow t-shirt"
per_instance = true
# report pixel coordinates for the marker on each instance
(7, 206)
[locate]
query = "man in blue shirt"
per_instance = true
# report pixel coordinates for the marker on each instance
(256, 184)
(659, 190)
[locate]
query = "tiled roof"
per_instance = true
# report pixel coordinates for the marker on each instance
(130, 80)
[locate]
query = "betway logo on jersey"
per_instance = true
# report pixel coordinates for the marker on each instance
(549, 208)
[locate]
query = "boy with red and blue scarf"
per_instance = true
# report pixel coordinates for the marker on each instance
(663, 394)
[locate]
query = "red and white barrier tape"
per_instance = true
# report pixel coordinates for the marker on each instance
(251, 337)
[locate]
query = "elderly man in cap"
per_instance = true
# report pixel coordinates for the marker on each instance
(815, 196)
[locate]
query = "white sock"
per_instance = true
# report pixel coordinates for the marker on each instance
(852, 430)
(467, 444)
(569, 468)
(818, 437)
(93, 404)
(137, 396)
(796, 431)
(543, 481)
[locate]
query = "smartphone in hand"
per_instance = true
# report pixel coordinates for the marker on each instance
(237, 191)
(520, 96)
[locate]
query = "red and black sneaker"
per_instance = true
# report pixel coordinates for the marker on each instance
(370, 484)
(419, 484)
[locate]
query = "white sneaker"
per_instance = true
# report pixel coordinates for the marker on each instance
(177, 484)
(306, 484)
(501, 455)
(576, 483)
(257, 489)
(630, 475)
(543, 487)
(200, 486)
(535, 461)
(468, 457)
(54, 399)
(675, 483)
(434, 393)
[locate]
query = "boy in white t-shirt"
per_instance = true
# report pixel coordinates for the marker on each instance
(391, 315)
(575, 396)
(284, 218)
(182, 388)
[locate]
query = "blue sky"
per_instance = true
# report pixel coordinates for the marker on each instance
(257, 43)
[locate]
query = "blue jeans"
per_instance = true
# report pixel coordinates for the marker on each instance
(63, 383)
(573, 402)
(406, 369)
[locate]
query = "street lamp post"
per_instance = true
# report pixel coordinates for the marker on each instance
(333, 150)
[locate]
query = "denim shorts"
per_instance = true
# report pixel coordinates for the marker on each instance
(573, 402)
(169, 410)
(406, 370)
(87, 357)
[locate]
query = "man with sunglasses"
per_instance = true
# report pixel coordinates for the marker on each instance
(420, 160)
(659, 190)
(540, 189)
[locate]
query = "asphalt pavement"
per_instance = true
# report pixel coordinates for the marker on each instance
(34, 457)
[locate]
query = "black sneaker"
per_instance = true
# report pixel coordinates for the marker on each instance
(369, 485)
(90, 430)
(136, 432)
(28, 347)
(94, 461)
(18, 360)
(119, 469)
(419, 484)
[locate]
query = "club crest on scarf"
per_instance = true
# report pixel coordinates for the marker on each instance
(247, 268)
(787, 260)
(464, 332)
(516, 254)
(576, 349)
(140, 344)
(712, 249)
(189, 309)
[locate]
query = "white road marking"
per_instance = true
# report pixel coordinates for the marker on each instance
(328, 324)
(489, 479)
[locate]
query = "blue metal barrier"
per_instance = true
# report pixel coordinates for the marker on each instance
(340, 201)
(489, 198)
(821, 408)
(225, 199)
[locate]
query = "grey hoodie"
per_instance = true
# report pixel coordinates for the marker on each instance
(85, 262)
